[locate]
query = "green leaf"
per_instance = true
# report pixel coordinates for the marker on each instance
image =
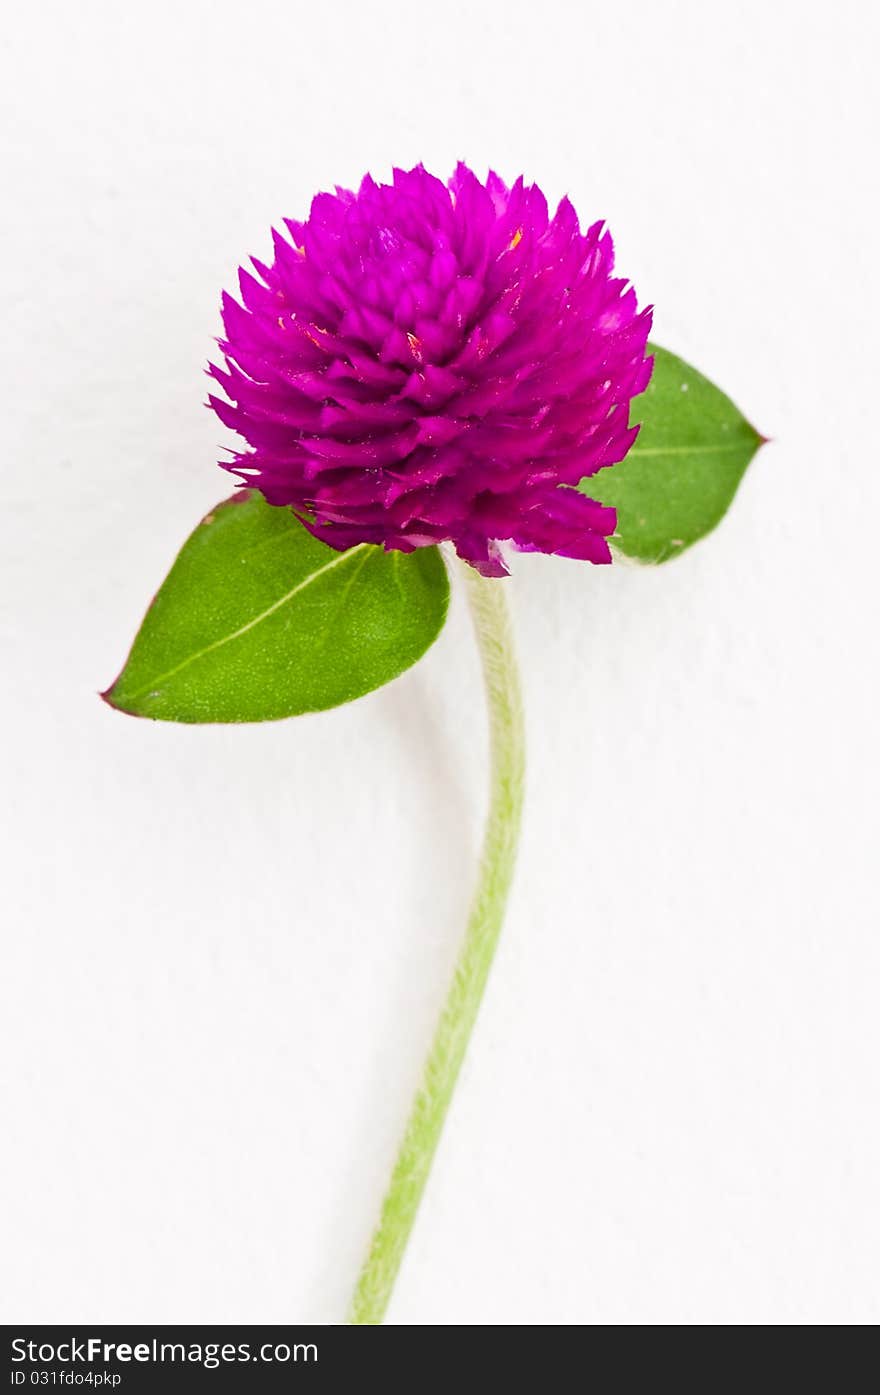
(680, 477)
(258, 620)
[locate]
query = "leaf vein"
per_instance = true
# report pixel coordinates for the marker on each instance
(337, 561)
(723, 449)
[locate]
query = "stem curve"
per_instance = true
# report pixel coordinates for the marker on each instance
(494, 635)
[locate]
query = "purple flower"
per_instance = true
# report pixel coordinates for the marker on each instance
(435, 361)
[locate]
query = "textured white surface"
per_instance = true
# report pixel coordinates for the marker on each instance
(224, 949)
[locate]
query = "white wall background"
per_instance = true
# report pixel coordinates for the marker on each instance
(224, 948)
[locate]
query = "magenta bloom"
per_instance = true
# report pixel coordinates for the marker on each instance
(433, 362)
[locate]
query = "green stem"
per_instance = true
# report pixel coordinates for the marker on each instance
(507, 753)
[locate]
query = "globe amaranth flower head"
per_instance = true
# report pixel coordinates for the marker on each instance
(429, 362)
